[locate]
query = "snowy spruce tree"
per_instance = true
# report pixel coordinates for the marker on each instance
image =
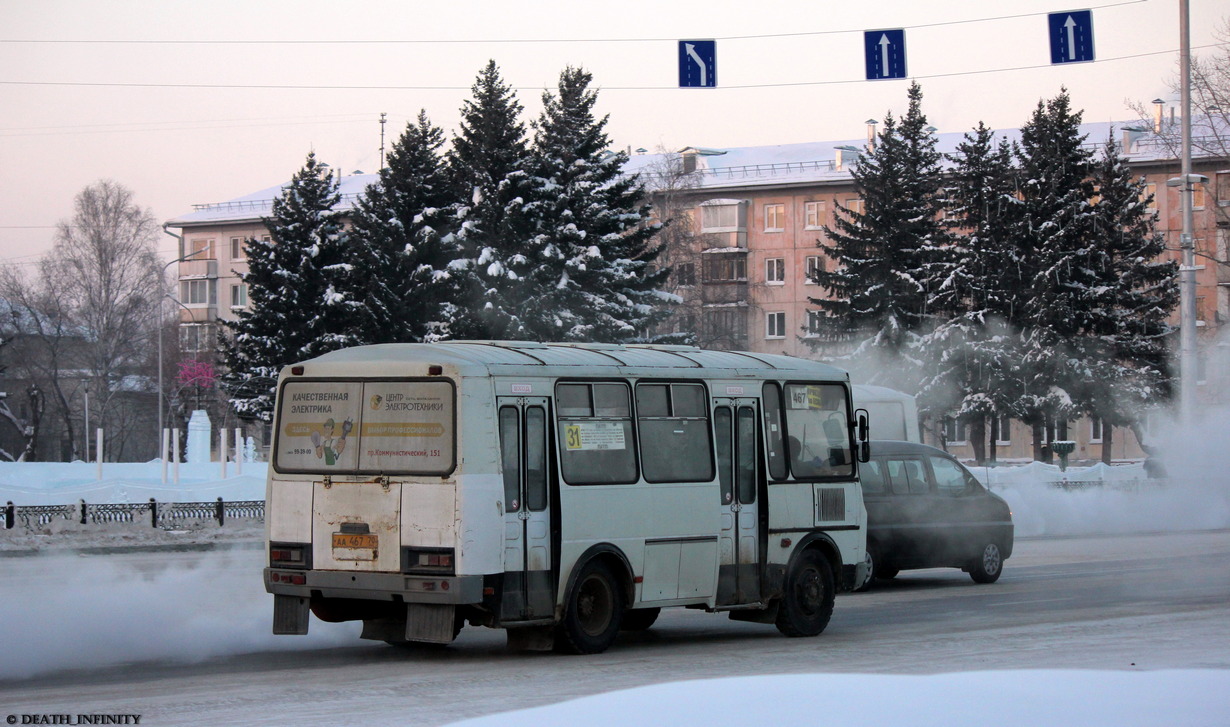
(971, 345)
(878, 296)
(1050, 292)
(402, 244)
(590, 273)
(1122, 359)
(491, 186)
(295, 283)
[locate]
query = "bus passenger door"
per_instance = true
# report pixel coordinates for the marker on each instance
(528, 587)
(734, 422)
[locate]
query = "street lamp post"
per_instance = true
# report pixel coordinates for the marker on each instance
(1187, 243)
(86, 437)
(161, 325)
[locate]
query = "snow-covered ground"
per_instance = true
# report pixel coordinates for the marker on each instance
(133, 609)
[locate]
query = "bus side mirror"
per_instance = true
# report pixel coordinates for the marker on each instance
(862, 434)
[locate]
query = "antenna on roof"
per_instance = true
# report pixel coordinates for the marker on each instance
(382, 118)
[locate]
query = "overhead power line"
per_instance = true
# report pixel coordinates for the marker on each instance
(382, 87)
(488, 41)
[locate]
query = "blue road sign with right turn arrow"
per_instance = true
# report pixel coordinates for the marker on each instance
(885, 53)
(697, 64)
(1071, 36)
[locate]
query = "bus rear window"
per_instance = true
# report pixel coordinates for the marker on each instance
(370, 427)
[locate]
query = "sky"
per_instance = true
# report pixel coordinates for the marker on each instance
(115, 90)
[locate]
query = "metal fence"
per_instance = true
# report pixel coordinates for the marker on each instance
(165, 515)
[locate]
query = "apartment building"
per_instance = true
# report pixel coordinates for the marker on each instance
(756, 215)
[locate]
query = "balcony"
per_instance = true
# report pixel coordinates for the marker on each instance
(198, 269)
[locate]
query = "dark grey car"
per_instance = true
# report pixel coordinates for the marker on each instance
(925, 510)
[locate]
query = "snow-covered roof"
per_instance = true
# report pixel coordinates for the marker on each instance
(812, 162)
(259, 205)
(481, 358)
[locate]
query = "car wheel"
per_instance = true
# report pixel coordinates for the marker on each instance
(639, 619)
(593, 612)
(988, 565)
(808, 602)
(870, 558)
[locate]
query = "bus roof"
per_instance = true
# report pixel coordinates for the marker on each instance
(528, 358)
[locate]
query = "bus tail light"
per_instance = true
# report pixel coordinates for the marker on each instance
(289, 555)
(428, 560)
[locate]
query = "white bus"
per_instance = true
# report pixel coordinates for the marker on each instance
(560, 491)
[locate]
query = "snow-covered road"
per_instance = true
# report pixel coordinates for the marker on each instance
(182, 638)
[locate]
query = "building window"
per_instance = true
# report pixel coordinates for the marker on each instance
(200, 249)
(199, 292)
(814, 264)
(237, 248)
(239, 295)
(685, 274)
(813, 324)
(195, 337)
(1148, 196)
(719, 218)
(1004, 437)
(1197, 196)
(954, 431)
(728, 323)
(775, 271)
(775, 325)
(854, 205)
(813, 216)
(774, 217)
(725, 268)
(1095, 430)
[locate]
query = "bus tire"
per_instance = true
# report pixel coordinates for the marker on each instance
(808, 601)
(593, 612)
(639, 619)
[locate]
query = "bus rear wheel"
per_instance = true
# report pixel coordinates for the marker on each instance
(593, 613)
(808, 602)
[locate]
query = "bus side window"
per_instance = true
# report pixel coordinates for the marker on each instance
(773, 431)
(595, 433)
(674, 433)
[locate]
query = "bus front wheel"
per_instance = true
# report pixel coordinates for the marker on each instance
(808, 601)
(593, 613)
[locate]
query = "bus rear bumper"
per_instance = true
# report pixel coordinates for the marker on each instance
(454, 590)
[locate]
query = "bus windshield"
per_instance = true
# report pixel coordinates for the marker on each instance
(365, 427)
(818, 436)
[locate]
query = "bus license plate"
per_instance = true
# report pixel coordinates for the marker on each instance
(354, 541)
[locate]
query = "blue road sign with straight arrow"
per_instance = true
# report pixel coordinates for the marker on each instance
(885, 52)
(697, 64)
(1071, 36)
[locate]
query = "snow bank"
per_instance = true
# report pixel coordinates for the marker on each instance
(64, 483)
(1193, 698)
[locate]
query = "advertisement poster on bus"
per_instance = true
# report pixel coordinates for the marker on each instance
(407, 427)
(318, 421)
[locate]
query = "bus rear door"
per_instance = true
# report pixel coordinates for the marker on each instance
(528, 586)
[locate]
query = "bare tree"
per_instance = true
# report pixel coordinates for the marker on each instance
(91, 310)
